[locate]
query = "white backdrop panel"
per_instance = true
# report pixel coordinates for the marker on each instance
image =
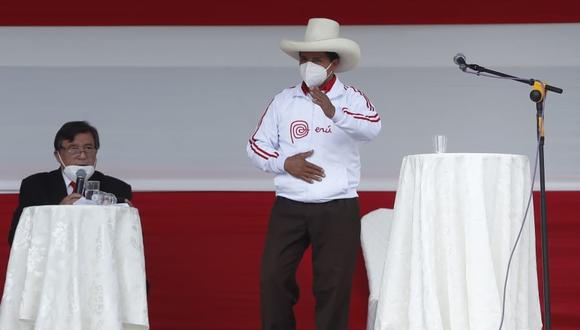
(175, 106)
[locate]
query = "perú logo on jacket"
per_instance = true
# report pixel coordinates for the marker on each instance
(298, 130)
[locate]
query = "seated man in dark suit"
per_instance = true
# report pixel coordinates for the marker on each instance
(75, 147)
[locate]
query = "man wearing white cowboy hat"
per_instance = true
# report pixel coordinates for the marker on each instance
(309, 137)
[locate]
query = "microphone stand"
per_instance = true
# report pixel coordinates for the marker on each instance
(479, 69)
(538, 96)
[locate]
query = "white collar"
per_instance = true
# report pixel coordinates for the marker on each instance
(67, 181)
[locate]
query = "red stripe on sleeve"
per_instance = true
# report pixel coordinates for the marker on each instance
(256, 152)
(374, 118)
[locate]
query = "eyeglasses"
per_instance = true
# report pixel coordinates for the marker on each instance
(76, 151)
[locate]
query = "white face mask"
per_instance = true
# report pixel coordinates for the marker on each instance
(70, 171)
(313, 74)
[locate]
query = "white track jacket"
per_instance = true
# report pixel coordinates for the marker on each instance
(292, 124)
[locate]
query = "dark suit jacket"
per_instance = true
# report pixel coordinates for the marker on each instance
(49, 189)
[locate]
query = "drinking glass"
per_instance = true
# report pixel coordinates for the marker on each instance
(439, 143)
(109, 199)
(90, 188)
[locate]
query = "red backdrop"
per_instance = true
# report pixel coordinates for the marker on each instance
(265, 12)
(203, 253)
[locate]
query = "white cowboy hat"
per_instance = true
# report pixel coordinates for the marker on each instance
(322, 36)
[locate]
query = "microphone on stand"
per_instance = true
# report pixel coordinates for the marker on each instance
(459, 59)
(81, 176)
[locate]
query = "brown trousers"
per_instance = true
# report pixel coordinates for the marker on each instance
(333, 230)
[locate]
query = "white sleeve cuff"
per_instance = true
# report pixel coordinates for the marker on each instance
(280, 164)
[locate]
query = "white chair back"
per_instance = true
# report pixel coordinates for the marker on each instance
(375, 229)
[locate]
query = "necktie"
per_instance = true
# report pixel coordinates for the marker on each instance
(73, 185)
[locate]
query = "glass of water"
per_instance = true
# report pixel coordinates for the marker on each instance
(109, 199)
(439, 143)
(90, 188)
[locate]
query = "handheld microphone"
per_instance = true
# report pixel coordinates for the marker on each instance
(81, 176)
(459, 59)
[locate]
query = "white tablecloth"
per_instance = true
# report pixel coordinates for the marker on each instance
(76, 267)
(456, 218)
